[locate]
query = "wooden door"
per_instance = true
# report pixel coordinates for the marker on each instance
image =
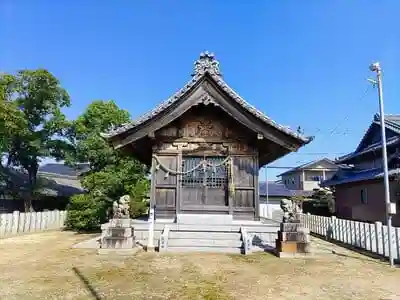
(204, 184)
(245, 178)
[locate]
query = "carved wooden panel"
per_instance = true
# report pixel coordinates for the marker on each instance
(206, 124)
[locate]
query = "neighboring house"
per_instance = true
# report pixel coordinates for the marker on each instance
(359, 191)
(56, 180)
(308, 177)
(271, 195)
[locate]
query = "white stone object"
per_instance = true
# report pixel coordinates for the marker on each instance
(150, 240)
(391, 208)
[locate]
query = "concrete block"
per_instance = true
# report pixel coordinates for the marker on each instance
(292, 247)
(293, 237)
(291, 227)
(205, 243)
(119, 232)
(295, 255)
(204, 219)
(120, 223)
(117, 243)
(131, 251)
(206, 249)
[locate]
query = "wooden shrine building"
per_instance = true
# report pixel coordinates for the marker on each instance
(205, 145)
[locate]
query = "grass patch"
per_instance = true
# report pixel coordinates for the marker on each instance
(204, 289)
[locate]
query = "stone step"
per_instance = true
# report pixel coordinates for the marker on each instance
(204, 219)
(204, 235)
(224, 228)
(204, 243)
(210, 228)
(206, 249)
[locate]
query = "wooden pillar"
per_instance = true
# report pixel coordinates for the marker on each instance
(231, 178)
(256, 189)
(153, 183)
(178, 183)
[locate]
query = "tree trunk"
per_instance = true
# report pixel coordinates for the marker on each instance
(28, 204)
(32, 173)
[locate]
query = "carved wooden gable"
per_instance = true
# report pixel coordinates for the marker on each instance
(204, 123)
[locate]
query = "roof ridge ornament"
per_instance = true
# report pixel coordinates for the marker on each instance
(206, 63)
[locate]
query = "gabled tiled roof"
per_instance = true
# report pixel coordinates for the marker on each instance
(207, 64)
(392, 122)
(349, 176)
(355, 174)
(306, 165)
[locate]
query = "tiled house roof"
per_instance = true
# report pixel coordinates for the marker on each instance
(392, 122)
(206, 65)
(306, 165)
(274, 189)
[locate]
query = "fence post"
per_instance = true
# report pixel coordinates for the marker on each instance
(333, 228)
(57, 219)
(27, 222)
(45, 220)
(378, 237)
(9, 223)
(397, 241)
(21, 222)
(3, 224)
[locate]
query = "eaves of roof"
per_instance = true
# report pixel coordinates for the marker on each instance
(208, 66)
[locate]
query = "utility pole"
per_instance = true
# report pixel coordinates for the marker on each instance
(266, 189)
(390, 207)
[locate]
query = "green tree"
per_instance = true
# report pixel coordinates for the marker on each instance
(37, 126)
(325, 196)
(111, 174)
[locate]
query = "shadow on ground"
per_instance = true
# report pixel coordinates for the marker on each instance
(87, 284)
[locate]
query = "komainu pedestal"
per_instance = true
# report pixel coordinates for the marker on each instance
(293, 240)
(117, 237)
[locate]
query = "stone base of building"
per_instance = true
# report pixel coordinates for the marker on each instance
(293, 240)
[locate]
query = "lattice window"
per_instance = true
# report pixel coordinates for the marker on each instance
(211, 177)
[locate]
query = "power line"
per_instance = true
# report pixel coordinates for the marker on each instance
(276, 167)
(346, 130)
(320, 153)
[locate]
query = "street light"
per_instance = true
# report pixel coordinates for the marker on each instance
(390, 207)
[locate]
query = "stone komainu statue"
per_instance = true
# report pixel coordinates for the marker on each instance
(121, 208)
(290, 210)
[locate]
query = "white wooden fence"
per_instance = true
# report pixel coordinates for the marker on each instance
(17, 222)
(371, 237)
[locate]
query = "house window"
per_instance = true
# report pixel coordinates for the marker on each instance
(363, 196)
(316, 178)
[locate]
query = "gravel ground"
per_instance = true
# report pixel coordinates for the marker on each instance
(44, 266)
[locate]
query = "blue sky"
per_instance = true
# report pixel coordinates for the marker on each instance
(301, 62)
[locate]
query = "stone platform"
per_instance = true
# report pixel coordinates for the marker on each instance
(293, 240)
(209, 233)
(117, 237)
